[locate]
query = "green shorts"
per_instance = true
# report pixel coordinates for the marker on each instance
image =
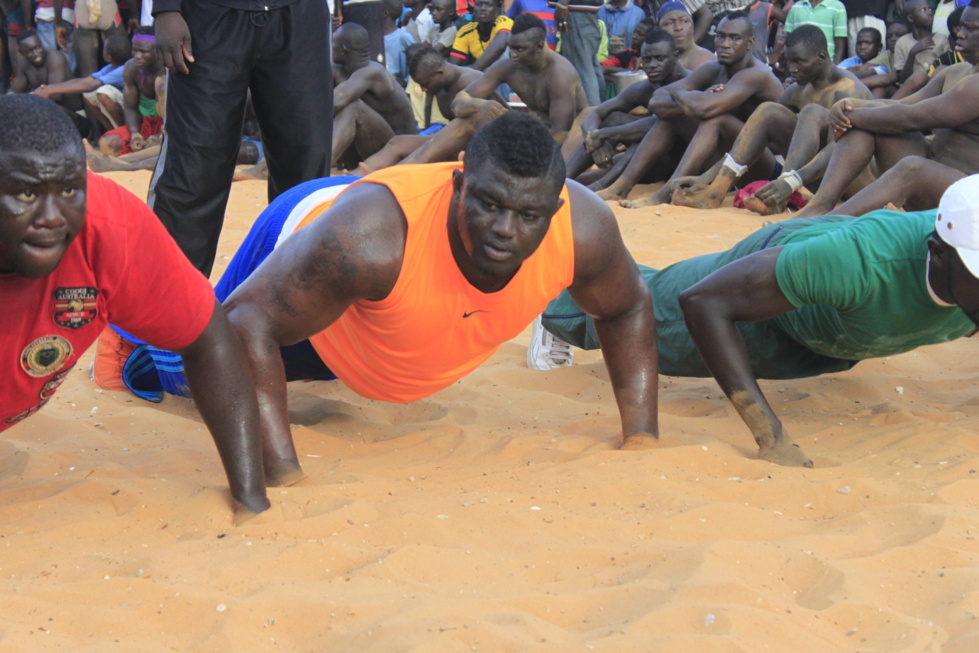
(773, 354)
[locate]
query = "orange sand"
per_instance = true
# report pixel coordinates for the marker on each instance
(499, 516)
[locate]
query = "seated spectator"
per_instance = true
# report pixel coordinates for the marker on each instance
(868, 59)
(448, 23)
(628, 59)
(914, 52)
(886, 84)
(102, 91)
(480, 43)
(143, 98)
(675, 19)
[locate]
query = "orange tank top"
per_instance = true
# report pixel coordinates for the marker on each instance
(434, 327)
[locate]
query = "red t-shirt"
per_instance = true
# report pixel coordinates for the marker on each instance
(123, 268)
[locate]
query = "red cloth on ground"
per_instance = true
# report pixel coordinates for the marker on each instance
(149, 127)
(796, 200)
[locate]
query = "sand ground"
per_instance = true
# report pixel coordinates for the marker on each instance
(499, 516)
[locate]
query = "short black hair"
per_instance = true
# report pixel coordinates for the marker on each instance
(954, 19)
(34, 124)
(526, 22)
(740, 14)
(26, 34)
(354, 37)
(520, 145)
(420, 55)
(874, 33)
(119, 47)
(659, 36)
(648, 21)
(145, 29)
(808, 35)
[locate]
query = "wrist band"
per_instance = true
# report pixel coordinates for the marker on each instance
(733, 165)
(792, 178)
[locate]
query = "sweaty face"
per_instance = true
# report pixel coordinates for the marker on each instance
(679, 25)
(524, 47)
(32, 50)
(804, 64)
(500, 219)
(431, 80)
(894, 32)
(42, 209)
(967, 43)
(867, 46)
(733, 40)
(658, 61)
(144, 54)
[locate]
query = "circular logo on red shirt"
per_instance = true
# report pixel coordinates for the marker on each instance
(45, 355)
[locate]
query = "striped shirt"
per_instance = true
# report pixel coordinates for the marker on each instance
(828, 15)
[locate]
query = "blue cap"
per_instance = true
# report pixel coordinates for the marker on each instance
(671, 5)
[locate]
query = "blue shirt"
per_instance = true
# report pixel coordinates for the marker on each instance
(395, 58)
(111, 76)
(621, 22)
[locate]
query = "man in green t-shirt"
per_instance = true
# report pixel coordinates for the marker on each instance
(802, 298)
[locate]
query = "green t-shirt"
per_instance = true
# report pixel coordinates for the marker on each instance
(860, 287)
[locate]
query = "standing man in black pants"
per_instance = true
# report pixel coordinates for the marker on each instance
(218, 50)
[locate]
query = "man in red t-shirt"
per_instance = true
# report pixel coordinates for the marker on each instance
(77, 252)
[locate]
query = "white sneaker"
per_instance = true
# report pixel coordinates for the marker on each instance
(547, 351)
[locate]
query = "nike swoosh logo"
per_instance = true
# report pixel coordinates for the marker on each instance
(478, 310)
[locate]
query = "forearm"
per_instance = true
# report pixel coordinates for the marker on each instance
(895, 118)
(629, 347)
(632, 132)
(222, 387)
(699, 104)
(465, 105)
(908, 69)
(133, 120)
(726, 355)
(80, 85)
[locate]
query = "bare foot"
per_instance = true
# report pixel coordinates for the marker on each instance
(640, 442)
(97, 162)
(752, 203)
(662, 196)
(610, 194)
(701, 198)
(770, 199)
(785, 452)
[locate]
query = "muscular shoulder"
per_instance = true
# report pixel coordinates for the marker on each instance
(595, 230)
(356, 246)
(129, 72)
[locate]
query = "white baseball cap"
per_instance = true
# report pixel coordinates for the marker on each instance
(957, 220)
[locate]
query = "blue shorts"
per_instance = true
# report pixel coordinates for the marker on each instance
(150, 372)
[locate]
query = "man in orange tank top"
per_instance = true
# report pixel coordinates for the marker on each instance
(402, 282)
(471, 254)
